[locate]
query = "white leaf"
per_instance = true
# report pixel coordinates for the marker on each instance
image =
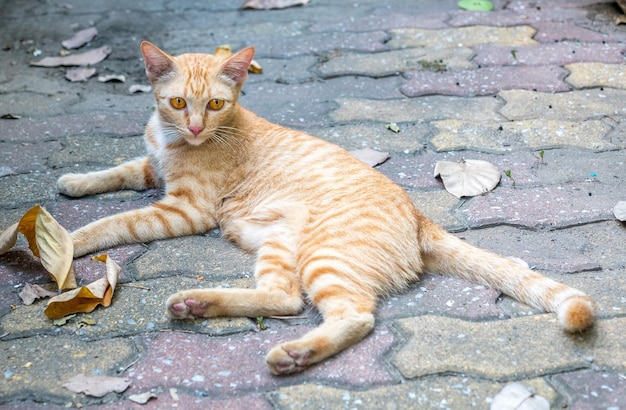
(369, 156)
(141, 398)
(469, 177)
(97, 386)
(620, 211)
(515, 396)
(80, 38)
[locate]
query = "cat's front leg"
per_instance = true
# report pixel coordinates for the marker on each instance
(167, 218)
(138, 175)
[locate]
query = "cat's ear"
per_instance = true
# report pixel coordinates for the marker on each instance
(236, 67)
(159, 64)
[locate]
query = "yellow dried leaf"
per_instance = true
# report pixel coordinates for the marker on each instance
(86, 298)
(255, 67)
(8, 238)
(56, 250)
(26, 227)
(223, 51)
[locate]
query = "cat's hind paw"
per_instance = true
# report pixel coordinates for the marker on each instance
(285, 359)
(73, 185)
(181, 307)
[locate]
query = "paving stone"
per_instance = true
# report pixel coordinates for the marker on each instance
(30, 189)
(577, 105)
(548, 54)
(588, 75)
(205, 364)
(498, 350)
(485, 81)
(446, 392)
(566, 31)
(101, 123)
(27, 373)
(438, 206)
(23, 103)
(136, 308)
(25, 157)
(411, 138)
(549, 206)
(462, 37)
(94, 150)
(593, 389)
(397, 61)
(383, 20)
(576, 249)
(534, 134)
(418, 109)
(210, 255)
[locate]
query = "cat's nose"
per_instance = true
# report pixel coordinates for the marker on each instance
(196, 130)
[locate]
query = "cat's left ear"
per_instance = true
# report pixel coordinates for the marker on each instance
(236, 67)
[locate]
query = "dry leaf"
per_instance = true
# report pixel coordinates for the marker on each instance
(369, 156)
(138, 88)
(83, 59)
(272, 4)
(51, 243)
(468, 178)
(9, 116)
(30, 293)
(112, 77)
(79, 74)
(97, 386)
(142, 398)
(86, 298)
(80, 38)
(619, 211)
(226, 51)
(8, 238)
(515, 396)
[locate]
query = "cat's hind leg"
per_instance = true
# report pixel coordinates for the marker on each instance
(138, 175)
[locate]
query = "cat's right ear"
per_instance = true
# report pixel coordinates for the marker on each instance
(159, 64)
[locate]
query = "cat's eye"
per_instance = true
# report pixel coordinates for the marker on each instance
(216, 104)
(178, 103)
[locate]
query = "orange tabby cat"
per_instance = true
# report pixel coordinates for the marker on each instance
(324, 226)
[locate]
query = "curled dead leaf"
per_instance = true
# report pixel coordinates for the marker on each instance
(272, 4)
(139, 88)
(79, 74)
(86, 298)
(97, 386)
(80, 38)
(515, 396)
(90, 57)
(8, 238)
(369, 156)
(468, 178)
(119, 78)
(30, 293)
(620, 211)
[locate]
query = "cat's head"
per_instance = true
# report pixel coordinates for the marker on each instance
(195, 93)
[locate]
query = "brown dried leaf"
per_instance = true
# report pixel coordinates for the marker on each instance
(369, 156)
(56, 249)
(97, 386)
(86, 298)
(30, 293)
(80, 38)
(469, 177)
(79, 74)
(8, 238)
(90, 57)
(272, 4)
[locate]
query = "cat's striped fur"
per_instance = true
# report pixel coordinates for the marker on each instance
(326, 227)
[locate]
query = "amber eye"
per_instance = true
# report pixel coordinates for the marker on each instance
(216, 104)
(178, 103)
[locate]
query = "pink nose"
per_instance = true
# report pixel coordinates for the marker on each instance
(196, 130)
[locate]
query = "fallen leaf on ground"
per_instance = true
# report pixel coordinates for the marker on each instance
(63, 320)
(272, 4)
(139, 88)
(369, 156)
(10, 117)
(30, 293)
(620, 211)
(142, 398)
(96, 386)
(90, 57)
(79, 74)
(48, 241)
(515, 396)
(86, 298)
(226, 51)
(392, 126)
(112, 77)
(468, 178)
(475, 5)
(80, 38)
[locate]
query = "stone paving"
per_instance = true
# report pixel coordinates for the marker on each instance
(535, 87)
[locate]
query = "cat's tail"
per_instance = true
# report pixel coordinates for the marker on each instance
(444, 253)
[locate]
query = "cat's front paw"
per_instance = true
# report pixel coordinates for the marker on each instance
(182, 306)
(74, 185)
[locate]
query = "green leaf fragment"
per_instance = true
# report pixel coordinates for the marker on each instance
(62, 321)
(392, 126)
(475, 5)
